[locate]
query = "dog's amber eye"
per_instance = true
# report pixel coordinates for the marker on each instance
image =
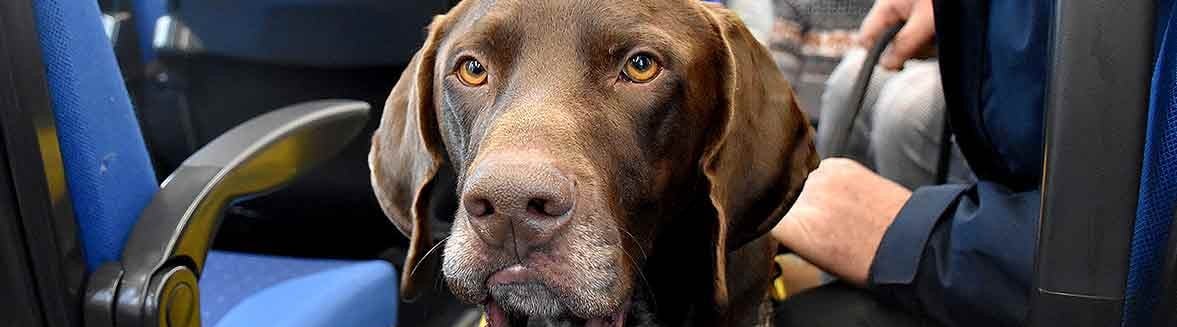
(472, 73)
(641, 68)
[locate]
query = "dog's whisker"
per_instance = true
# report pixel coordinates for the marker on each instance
(635, 242)
(638, 268)
(427, 253)
(641, 274)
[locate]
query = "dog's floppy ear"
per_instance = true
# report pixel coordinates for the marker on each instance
(762, 148)
(406, 157)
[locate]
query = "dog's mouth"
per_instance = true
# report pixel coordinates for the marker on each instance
(518, 297)
(496, 316)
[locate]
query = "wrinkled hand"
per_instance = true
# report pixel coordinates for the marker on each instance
(913, 40)
(840, 217)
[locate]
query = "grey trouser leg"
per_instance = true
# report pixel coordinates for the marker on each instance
(898, 132)
(834, 121)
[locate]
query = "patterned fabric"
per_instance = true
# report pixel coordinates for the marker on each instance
(809, 39)
(107, 169)
(1158, 183)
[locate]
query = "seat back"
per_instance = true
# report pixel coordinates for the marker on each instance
(222, 62)
(324, 33)
(108, 173)
(1158, 182)
(145, 13)
(135, 21)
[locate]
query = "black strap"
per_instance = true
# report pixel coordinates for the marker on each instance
(858, 96)
(858, 91)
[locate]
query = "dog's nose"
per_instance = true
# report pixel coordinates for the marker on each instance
(519, 199)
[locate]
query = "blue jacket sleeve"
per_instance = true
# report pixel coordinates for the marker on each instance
(963, 255)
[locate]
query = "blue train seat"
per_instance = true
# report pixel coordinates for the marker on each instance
(147, 246)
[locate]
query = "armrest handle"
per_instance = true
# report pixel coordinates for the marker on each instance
(165, 253)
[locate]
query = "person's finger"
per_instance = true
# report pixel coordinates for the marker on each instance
(882, 16)
(915, 36)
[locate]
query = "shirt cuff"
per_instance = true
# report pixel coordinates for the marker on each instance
(898, 258)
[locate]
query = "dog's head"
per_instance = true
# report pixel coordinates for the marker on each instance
(563, 135)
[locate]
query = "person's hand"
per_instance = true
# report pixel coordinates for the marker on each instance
(913, 40)
(840, 217)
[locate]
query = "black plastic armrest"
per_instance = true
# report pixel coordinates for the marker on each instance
(155, 282)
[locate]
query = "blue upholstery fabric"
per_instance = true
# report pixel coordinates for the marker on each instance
(108, 172)
(255, 290)
(1158, 183)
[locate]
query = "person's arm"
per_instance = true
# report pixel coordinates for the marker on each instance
(962, 255)
(840, 217)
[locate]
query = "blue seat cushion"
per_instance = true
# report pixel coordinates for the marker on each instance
(256, 290)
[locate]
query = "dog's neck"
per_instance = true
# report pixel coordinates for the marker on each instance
(680, 281)
(678, 271)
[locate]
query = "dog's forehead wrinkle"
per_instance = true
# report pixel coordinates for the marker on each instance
(480, 132)
(525, 29)
(453, 124)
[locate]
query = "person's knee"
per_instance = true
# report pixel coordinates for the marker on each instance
(898, 127)
(910, 109)
(909, 117)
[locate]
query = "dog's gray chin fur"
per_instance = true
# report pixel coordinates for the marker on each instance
(638, 314)
(531, 299)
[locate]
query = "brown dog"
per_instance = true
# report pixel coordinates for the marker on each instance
(605, 162)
